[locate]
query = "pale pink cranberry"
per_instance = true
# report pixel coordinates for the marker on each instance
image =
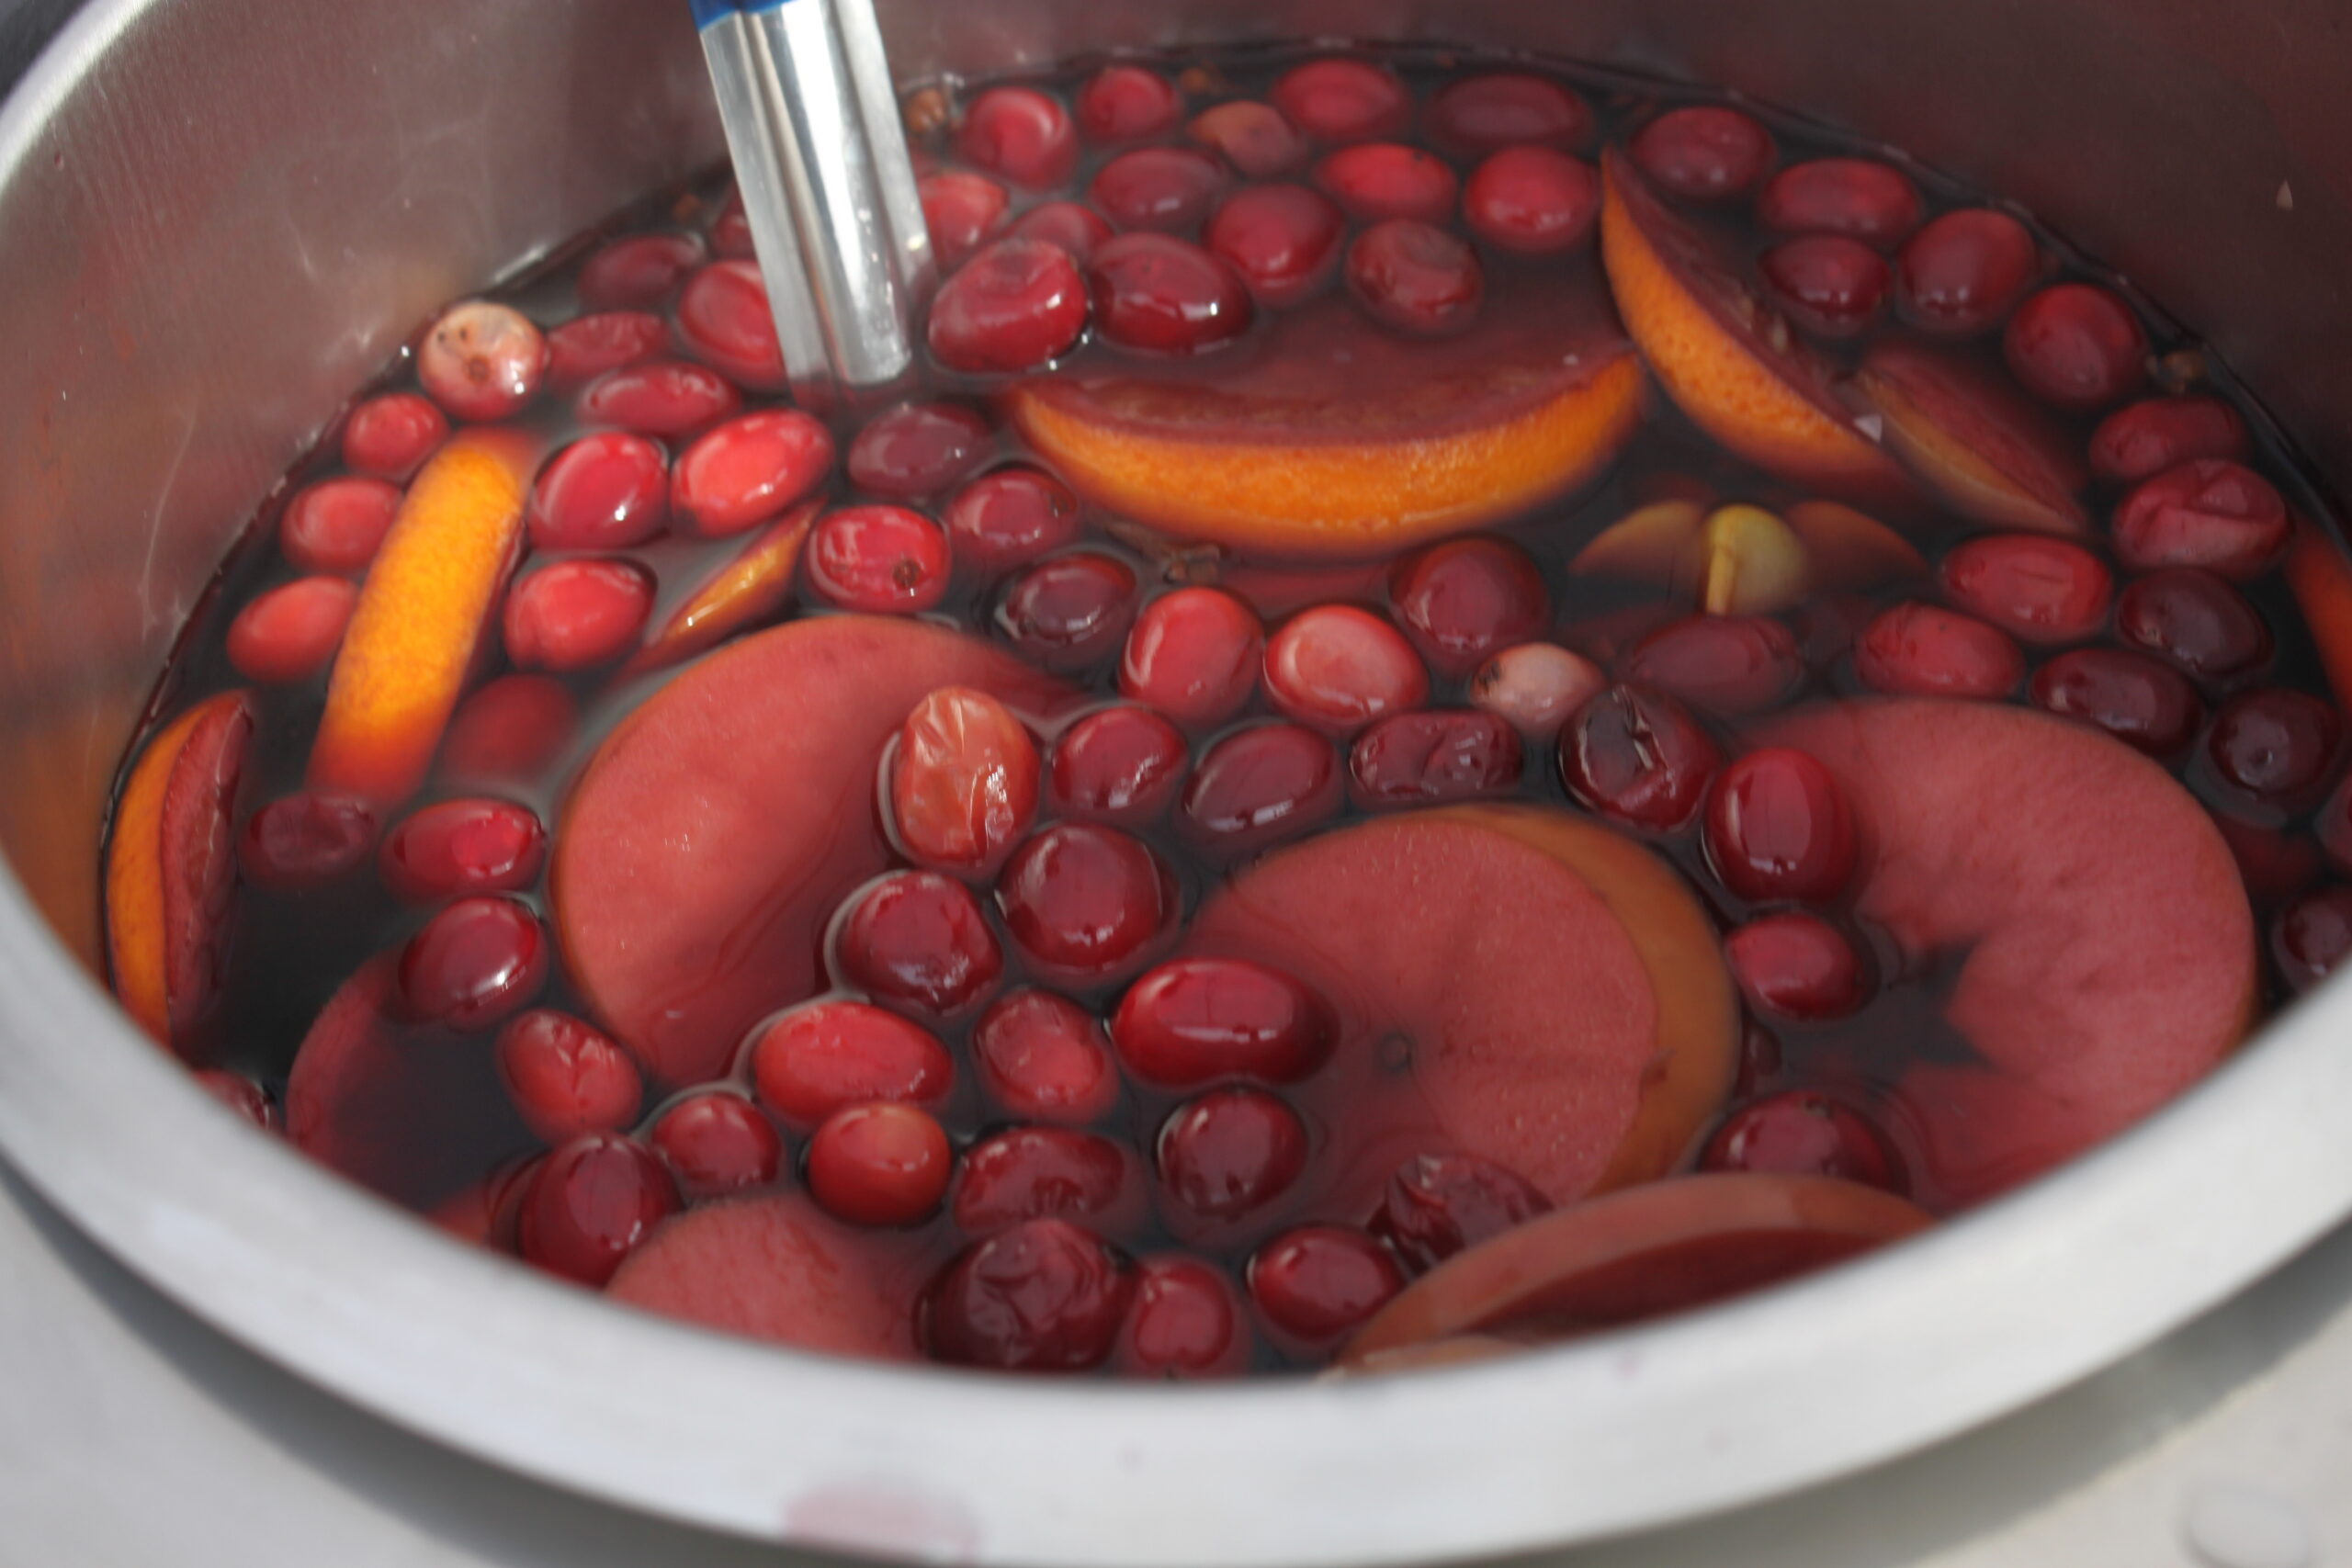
(1426, 759)
(240, 1094)
(1045, 1296)
(1921, 651)
(664, 397)
(590, 1205)
(1068, 612)
(1344, 100)
(638, 273)
(2199, 622)
(1960, 274)
(962, 210)
(962, 782)
(1035, 1173)
(730, 230)
(1635, 757)
(1416, 277)
(478, 962)
(1227, 1155)
(1797, 966)
(1021, 134)
(1473, 116)
(1259, 785)
(509, 731)
(1163, 294)
(290, 634)
(459, 847)
(1703, 152)
(1085, 901)
(1199, 1020)
(1316, 1283)
(1803, 1133)
(2143, 440)
(823, 1056)
(1010, 518)
(1018, 305)
(1731, 665)
(1043, 1058)
(1827, 284)
(577, 615)
(2211, 513)
(724, 321)
(482, 361)
(391, 437)
(2134, 697)
(750, 469)
(917, 449)
(1338, 667)
(880, 1164)
(566, 1077)
(306, 840)
(1186, 1322)
(1859, 198)
(1386, 179)
(1437, 1205)
(337, 524)
(2036, 588)
(1284, 239)
(881, 560)
(605, 491)
(2077, 346)
(1533, 200)
(1465, 600)
(717, 1143)
(2276, 745)
(1075, 227)
(1123, 765)
(1164, 189)
(1193, 655)
(1127, 103)
(1778, 826)
(586, 347)
(1535, 686)
(2312, 936)
(918, 941)
(1253, 137)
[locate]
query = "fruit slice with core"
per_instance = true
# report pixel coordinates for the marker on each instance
(747, 589)
(1986, 452)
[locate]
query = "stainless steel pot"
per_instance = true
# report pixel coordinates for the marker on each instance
(218, 216)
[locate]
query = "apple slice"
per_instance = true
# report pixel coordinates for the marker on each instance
(1983, 450)
(709, 838)
(744, 591)
(2102, 949)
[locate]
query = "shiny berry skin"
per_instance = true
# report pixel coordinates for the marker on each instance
(962, 210)
(1282, 240)
(457, 847)
(1167, 189)
(717, 1143)
(240, 1094)
(587, 1208)
(917, 449)
(1732, 665)
(1034, 1173)
(1859, 198)
(963, 782)
(1018, 305)
(1078, 229)
(917, 939)
(1156, 294)
(1466, 599)
(1127, 103)
(337, 524)
(1259, 785)
(1804, 1133)
(1253, 137)
(884, 560)
(1533, 200)
(879, 1164)
(2310, 937)
(1415, 278)
(288, 635)
(1373, 180)
(1428, 758)
(478, 962)
(1193, 655)
(2276, 745)
(1535, 686)
(1437, 1205)
(2211, 513)
(482, 361)
(663, 397)
(2137, 699)
(577, 615)
(1228, 1154)
(1197, 1021)
(1020, 134)
(1797, 966)
(1473, 116)
(1121, 765)
(1959, 275)
(1922, 650)
(2077, 346)
(1344, 100)
(1042, 1057)
(389, 436)
(2143, 440)
(1318, 1282)
(1778, 826)
(586, 347)
(2038, 589)
(1703, 152)
(304, 839)
(607, 491)
(750, 469)
(822, 1057)
(1068, 612)
(1336, 667)
(1827, 284)
(1045, 1296)
(2199, 622)
(509, 733)
(1010, 518)
(1637, 758)
(566, 1077)
(724, 321)
(1085, 901)
(1186, 1321)
(638, 273)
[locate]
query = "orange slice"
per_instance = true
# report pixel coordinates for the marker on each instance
(2321, 577)
(743, 592)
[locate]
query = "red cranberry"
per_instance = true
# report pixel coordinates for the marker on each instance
(1344, 100)
(1160, 295)
(1826, 283)
(730, 230)
(1021, 134)
(2310, 937)
(1193, 655)
(391, 435)
(664, 397)
(241, 1095)
(303, 841)
(962, 210)
(589, 1206)
(2140, 442)
(1703, 152)
(917, 450)
(749, 469)
(825, 1055)
(725, 321)
(290, 634)
(2275, 866)
(1318, 1282)
(917, 939)
(1185, 1322)
(1468, 599)
(1044, 1296)
(1373, 180)
(337, 524)
(1069, 612)
(2334, 827)
(1127, 103)
(1797, 966)
(1959, 275)
(1284, 239)
(1121, 765)
(2197, 621)
(638, 273)
(963, 782)
(1076, 228)
(879, 1164)
(509, 731)
(1259, 785)
(1415, 278)
(1253, 137)
(2211, 513)
(586, 347)
(1034, 1173)
(1338, 667)
(1228, 1154)
(1804, 1133)
(1778, 826)
(1533, 200)
(1010, 517)
(482, 361)
(2036, 588)
(1760, 1059)
(1168, 189)
(1196, 1021)
(1638, 758)
(476, 962)
(1437, 1205)
(1426, 759)
(1720, 664)
(456, 848)
(1085, 900)
(2275, 744)
(1018, 305)
(1044, 1057)
(719, 1142)
(577, 615)
(566, 1077)
(1859, 198)
(1535, 687)
(1473, 116)
(2076, 345)
(884, 560)
(2131, 696)
(602, 493)
(1922, 650)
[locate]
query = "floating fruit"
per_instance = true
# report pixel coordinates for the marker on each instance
(1744, 561)
(1984, 452)
(744, 591)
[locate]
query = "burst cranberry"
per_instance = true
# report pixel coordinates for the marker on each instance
(1778, 826)
(2140, 442)
(961, 209)
(1826, 283)
(291, 633)
(589, 1206)
(1185, 1322)
(2197, 621)
(1533, 200)
(749, 469)
(1069, 612)
(963, 782)
(665, 398)
(1121, 765)
(719, 1142)
(457, 847)
(1637, 758)
(1261, 785)
(883, 1164)
(240, 1094)
(1338, 667)
(482, 361)
(1253, 137)
(724, 321)
(818, 1058)
(1437, 1205)
(1021, 134)
(1085, 900)
(1193, 655)
(1922, 650)
(1228, 1154)
(2276, 745)
(1373, 180)
(1703, 152)
(1199, 1019)
(1018, 305)
(1168, 189)
(1127, 103)
(1476, 115)
(1076, 228)
(509, 731)
(1416, 277)
(917, 450)
(586, 347)
(306, 840)
(638, 273)
(1283, 239)
(1804, 1133)
(2131, 696)
(1044, 1296)
(1959, 275)
(1720, 664)
(2211, 513)
(2312, 936)
(1466, 599)
(566, 1077)
(337, 524)
(577, 615)
(917, 939)
(1798, 966)
(1426, 759)
(1535, 686)
(881, 560)
(1010, 517)
(2036, 588)
(2076, 345)
(1160, 295)
(1859, 198)
(1034, 1173)
(602, 493)
(391, 435)
(1344, 100)
(1318, 1282)
(1044, 1057)
(477, 962)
